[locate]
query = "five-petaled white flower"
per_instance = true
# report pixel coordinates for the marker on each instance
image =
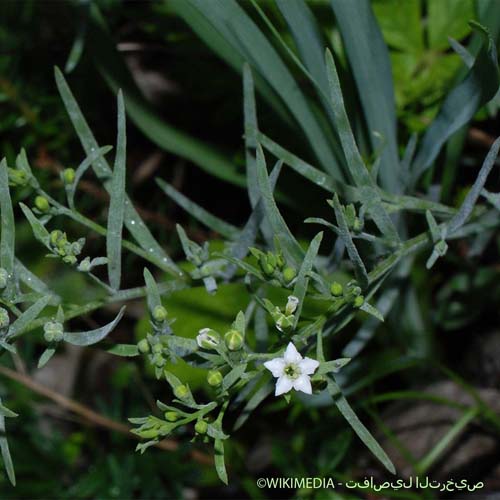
(292, 371)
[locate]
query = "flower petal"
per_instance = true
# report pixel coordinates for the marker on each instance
(303, 384)
(308, 366)
(275, 366)
(284, 384)
(292, 356)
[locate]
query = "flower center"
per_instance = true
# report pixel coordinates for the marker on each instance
(292, 371)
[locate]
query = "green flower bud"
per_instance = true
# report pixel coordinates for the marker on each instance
(289, 274)
(17, 177)
(357, 225)
(4, 278)
(336, 289)
(42, 203)
(267, 265)
(157, 348)
(280, 261)
(181, 391)
(171, 416)
(158, 360)
(356, 291)
(201, 427)
(69, 175)
(208, 338)
(233, 340)
(70, 259)
(4, 318)
(214, 378)
(53, 331)
(143, 346)
(159, 314)
(147, 433)
(359, 301)
(58, 238)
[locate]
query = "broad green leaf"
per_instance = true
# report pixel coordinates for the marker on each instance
(371, 67)
(300, 287)
(93, 336)
(237, 28)
(23, 322)
(290, 246)
(358, 427)
(133, 221)
(211, 221)
(117, 202)
(479, 86)
(7, 223)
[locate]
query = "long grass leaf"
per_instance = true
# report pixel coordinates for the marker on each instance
(117, 202)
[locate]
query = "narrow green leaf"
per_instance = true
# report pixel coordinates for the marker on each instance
(233, 376)
(46, 356)
(41, 234)
(257, 397)
(353, 420)
(117, 202)
(357, 168)
(7, 224)
(93, 336)
(153, 294)
(290, 246)
(461, 104)
(211, 221)
(23, 322)
(300, 288)
(126, 350)
(133, 221)
(359, 267)
(467, 206)
(220, 464)
(4, 448)
(369, 60)
(6, 412)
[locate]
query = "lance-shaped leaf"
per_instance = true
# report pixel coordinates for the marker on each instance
(7, 224)
(93, 336)
(46, 356)
(23, 322)
(125, 350)
(461, 104)
(153, 294)
(300, 288)
(290, 246)
(133, 220)
(359, 267)
(117, 202)
(358, 427)
(357, 168)
(220, 463)
(41, 234)
(4, 449)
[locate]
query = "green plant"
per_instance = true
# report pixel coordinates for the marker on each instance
(294, 295)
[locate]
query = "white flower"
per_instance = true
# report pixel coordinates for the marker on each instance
(291, 305)
(292, 371)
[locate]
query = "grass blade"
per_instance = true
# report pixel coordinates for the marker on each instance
(117, 202)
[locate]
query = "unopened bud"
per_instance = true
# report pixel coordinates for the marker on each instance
(181, 391)
(214, 378)
(160, 314)
(42, 203)
(233, 340)
(336, 289)
(143, 346)
(359, 301)
(171, 416)
(208, 338)
(53, 331)
(201, 427)
(69, 175)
